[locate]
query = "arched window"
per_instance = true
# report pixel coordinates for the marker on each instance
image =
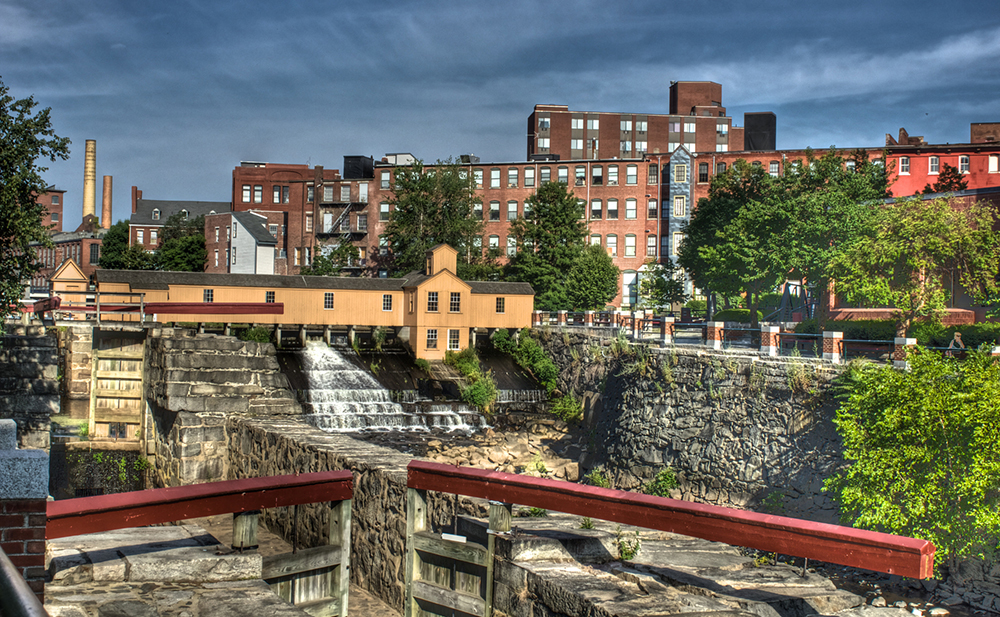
(156, 214)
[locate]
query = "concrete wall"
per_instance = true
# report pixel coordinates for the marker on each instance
(29, 386)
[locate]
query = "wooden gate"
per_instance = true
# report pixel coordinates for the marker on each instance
(116, 398)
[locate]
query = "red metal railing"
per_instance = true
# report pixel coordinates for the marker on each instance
(821, 541)
(72, 517)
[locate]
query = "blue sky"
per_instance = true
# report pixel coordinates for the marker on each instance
(178, 93)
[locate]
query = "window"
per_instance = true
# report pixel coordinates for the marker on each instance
(511, 210)
(477, 175)
(494, 242)
(593, 125)
(494, 178)
(501, 305)
(545, 175)
(477, 210)
(327, 194)
(309, 224)
(631, 174)
(512, 177)
(207, 295)
(139, 236)
(630, 208)
(383, 211)
(95, 254)
(653, 175)
(455, 306)
(935, 164)
(543, 124)
(258, 194)
(576, 144)
(345, 192)
(689, 127)
(432, 338)
(651, 209)
(678, 239)
(640, 147)
(55, 216)
(55, 200)
(612, 209)
(597, 175)
(453, 340)
(612, 244)
(271, 229)
(269, 297)
(626, 146)
(702, 172)
(640, 125)
(283, 228)
(529, 176)
(511, 246)
(674, 127)
(680, 206)
(298, 256)
(234, 254)
(721, 148)
(494, 210)
(383, 245)
(328, 301)
(526, 210)
(664, 245)
(152, 235)
(386, 302)
(629, 288)
(156, 214)
(772, 168)
(386, 180)
(595, 239)
(227, 258)
(626, 125)
(630, 245)
(276, 197)
(720, 168)
(576, 123)
(680, 173)
(722, 128)
(216, 258)
(904, 165)
(612, 175)
(246, 193)
(432, 301)
(362, 222)
(595, 209)
(563, 175)
(310, 194)
(963, 164)
(994, 163)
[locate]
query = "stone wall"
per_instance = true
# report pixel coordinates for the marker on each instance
(76, 345)
(29, 383)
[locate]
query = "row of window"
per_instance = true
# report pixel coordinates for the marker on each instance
(454, 305)
(562, 175)
(454, 339)
(140, 236)
(610, 242)
(280, 193)
(184, 214)
(934, 164)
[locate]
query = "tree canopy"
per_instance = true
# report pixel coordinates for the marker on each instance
(25, 137)
(331, 262)
(662, 285)
(592, 282)
(182, 245)
(116, 254)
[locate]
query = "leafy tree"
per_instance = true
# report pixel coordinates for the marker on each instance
(921, 447)
(330, 263)
(914, 249)
(487, 268)
(592, 282)
(550, 240)
(116, 254)
(949, 180)
(662, 285)
(432, 206)
(25, 136)
(182, 244)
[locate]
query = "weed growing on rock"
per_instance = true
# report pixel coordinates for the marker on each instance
(260, 334)
(379, 335)
(533, 513)
(567, 408)
(597, 478)
(774, 503)
(661, 485)
(586, 523)
(537, 464)
(422, 364)
(627, 547)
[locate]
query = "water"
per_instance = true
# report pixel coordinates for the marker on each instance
(345, 397)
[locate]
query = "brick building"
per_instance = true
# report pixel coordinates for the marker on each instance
(150, 215)
(53, 200)
(242, 242)
(917, 163)
(82, 246)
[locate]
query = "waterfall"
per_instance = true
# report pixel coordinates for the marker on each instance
(345, 397)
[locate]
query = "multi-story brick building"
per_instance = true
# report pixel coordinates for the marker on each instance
(53, 200)
(82, 246)
(150, 215)
(916, 163)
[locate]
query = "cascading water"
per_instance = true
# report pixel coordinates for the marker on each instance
(345, 397)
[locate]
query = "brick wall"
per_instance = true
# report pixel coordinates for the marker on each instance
(22, 538)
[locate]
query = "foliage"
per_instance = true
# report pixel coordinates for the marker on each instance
(921, 446)
(567, 408)
(662, 285)
(432, 206)
(379, 336)
(478, 268)
(858, 329)
(182, 244)
(597, 478)
(465, 362)
(550, 241)
(482, 392)
(331, 262)
(257, 334)
(973, 335)
(740, 315)
(949, 180)
(116, 254)
(592, 282)
(533, 513)
(422, 364)
(774, 502)
(627, 547)
(661, 485)
(530, 356)
(697, 305)
(586, 523)
(25, 137)
(914, 248)
(503, 342)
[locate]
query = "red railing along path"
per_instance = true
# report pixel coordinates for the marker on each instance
(847, 546)
(71, 517)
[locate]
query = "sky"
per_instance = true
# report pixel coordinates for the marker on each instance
(178, 93)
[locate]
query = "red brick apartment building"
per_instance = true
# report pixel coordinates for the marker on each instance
(917, 163)
(52, 199)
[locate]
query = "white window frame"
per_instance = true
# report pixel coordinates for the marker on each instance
(680, 206)
(964, 164)
(386, 303)
(933, 165)
(904, 165)
(454, 339)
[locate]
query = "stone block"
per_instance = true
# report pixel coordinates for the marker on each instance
(25, 474)
(8, 435)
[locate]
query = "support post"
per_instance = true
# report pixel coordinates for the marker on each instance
(302, 335)
(561, 318)
(588, 318)
(637, 325)
(713, 334)
(832, 344)
(350, 336)
(769, 340)
(228, 329)
(900, 351)
(277, 336)
(667, 331)
(326, 335)
(201, 327)
(416, 521)
(340, 536)
(245, 530)
(472, 338)
(500, 515)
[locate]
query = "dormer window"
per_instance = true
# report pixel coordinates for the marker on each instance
(184, 214)
(156, 214)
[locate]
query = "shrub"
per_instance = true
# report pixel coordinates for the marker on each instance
(661, 485)
(597, 478)
(422, 364)
(697, 305)
(503, 342)
(259, 334)
(740, 315)
(465, 362)
(482, 392)
(567, 409)
(938, 335)
(860, 329)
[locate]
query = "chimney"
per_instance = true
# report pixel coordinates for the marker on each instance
(136, 196)
(106, 204)
(90, 179)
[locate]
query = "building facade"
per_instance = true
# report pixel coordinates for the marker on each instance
(242, 242)
(150, 215)
(52, 199)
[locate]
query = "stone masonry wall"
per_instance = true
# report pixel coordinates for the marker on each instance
(76, 348)
(29, 384)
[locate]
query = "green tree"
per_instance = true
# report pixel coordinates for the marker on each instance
(662, 285)
(182, 244)
(431, 206)
(25, 137)
(913, 250)
(949, 180)
(592, 282)
(922, 454)
(330, 263)
(550, 240)
(116, 254)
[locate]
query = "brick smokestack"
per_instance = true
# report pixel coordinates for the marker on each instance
(90, 179)
(106, 204)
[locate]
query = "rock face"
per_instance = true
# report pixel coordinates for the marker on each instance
(29, 383)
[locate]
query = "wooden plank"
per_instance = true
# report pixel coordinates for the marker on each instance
(136, 375)
(303, 560)
(455, 600)
(70, 517)
(432, 543)
(340, 536)
(500, 515)
(327, 607)
(416, 522)
(131, 393)
(107, 414)
(821, 541)
(117, 354)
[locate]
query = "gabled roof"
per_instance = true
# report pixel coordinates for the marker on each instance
(256, 226)
(143, 214)
(68, 270)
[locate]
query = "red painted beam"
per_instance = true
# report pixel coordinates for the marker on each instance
(847, 546)
(215, 308)
(71, 517)
(48, 304)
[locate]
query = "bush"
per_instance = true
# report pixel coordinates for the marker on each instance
(482, 392)
(697, 305)
(530, 356)
(503, 342)
(259, 334)
(861, 329)
(465, 362)
(567, 409)
(661, 485)
(938, 335)
(740, 315)
(422, 364)
(597, 478)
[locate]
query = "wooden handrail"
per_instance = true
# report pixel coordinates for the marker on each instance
(847, 546)
(70, 517)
